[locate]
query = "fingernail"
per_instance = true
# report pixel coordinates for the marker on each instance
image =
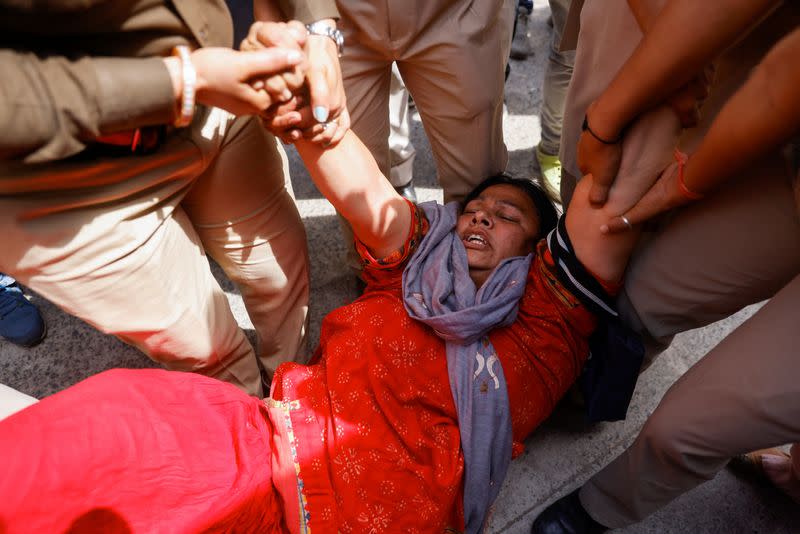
(294, 57)
(321, 113)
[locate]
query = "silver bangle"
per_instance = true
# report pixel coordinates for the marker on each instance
(189, 78)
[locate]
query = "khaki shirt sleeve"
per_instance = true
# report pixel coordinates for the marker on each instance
(51, 108)
(308, 11)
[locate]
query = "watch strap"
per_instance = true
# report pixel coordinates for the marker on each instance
(326, 30)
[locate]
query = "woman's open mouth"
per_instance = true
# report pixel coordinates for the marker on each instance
(475, 241)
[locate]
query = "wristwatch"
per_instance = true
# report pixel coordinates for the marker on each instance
(322, 28)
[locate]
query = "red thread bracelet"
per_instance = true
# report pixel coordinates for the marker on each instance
(682, 158)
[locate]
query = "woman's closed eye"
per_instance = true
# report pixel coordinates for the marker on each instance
(510, 217)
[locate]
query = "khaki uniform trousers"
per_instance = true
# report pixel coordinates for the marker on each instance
(739, 246)
(452, 57)
(122, 242)
(557, 76)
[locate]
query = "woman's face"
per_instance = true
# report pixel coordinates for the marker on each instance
(500, 223)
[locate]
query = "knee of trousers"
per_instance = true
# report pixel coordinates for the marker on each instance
(279, 278)
(192, 343)
(670, 439)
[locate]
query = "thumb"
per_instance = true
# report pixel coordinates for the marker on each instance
(616, 225)
(319, 92)
(598, 194)
(650, 205)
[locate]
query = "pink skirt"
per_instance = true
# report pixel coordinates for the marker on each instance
(139, 451)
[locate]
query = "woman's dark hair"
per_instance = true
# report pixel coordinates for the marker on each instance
(548, 216)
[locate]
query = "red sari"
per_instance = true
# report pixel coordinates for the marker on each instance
(363, 440)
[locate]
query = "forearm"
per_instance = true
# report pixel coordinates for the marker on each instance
(764, 112)
(348, 176)
(685, 36)
(51, 108)
(604, 255)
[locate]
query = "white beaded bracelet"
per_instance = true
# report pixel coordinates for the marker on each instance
(189, 77)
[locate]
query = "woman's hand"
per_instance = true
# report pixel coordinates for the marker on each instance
(327, 118)
(320, 114)
(326, 89)
(664, 195)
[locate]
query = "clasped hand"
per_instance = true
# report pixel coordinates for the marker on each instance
(311, 101)
(602, 160)
(663, 196)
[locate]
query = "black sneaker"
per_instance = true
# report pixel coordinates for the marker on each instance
(20, 321)
(566, 516)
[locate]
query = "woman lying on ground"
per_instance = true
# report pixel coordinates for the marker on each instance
(420, 392)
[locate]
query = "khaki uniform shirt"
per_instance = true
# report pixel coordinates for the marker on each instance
(76, 69)
(73, 70)
(307, 11)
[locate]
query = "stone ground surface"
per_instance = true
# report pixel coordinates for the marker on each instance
(560, 456)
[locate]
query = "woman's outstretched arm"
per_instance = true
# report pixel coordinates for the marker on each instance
(349, 177)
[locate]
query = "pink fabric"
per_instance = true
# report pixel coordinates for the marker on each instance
(139, 451)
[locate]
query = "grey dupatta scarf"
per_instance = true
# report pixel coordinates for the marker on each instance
(438, 291)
